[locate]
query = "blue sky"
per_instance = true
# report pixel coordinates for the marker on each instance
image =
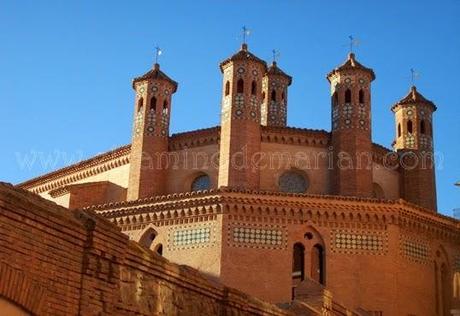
(66, 68)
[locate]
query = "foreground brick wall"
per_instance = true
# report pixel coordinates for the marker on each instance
(59, 262)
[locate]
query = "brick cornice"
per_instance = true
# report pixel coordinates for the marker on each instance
(81, 170)
(295, 136)
(294, 207)
(201, 137)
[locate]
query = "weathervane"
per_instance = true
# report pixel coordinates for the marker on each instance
(157, 53)
(353, 42)
(275, 55)
(414, 75)
(245, 33)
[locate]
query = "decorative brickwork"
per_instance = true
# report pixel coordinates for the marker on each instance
(414, 249)
(192, 236)
(362, 242)
(257, 236)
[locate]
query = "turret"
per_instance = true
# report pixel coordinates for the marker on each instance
(149, 148)
(351, 128)
(240, 119)
(274, 95)
(414, 143)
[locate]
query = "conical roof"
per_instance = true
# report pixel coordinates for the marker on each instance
(155, 73)
(414, 97)
(242, 54)
(275, 70)
(352, 64)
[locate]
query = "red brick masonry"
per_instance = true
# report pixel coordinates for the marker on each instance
(59, 262)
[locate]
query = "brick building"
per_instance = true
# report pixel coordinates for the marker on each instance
(278, 212)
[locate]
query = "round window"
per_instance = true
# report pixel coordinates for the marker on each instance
(201, 182)
(293, 182)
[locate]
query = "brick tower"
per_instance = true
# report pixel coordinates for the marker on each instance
(240, 119)
(274, 94)
(148, 158)
(351, 128)
(414, 143)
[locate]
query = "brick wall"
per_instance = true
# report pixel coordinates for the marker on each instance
(59, 262)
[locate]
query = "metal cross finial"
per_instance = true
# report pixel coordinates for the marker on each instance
(275, 55)
(157, 53)
(353, 42)
(246, 33)
(414, 75)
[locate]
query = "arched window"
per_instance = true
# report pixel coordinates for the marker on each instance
(159, 249)
(361, 96)
(273, 95)
(153, 104)
(422, 127)
(283, 96)
(348, 96)
(202, 182)
(293, 182)
(399, 130)
(253, 88)
(165, 106)
(147, 238)
(227, 88)
(409, 126)
(317, 264)
(240, 86)
(140, 105)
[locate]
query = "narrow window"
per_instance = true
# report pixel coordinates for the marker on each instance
(160, 249)
(399, 130)
(273, 95)
(283, 96)
(348, 96)
(317, 264)
(165, 106)
(422, 127)
(409, 126)
(445, 291)
(263, 96)
(153, 103)
(140, 105)
(240, 86)
(148, 237)
(253, 88)
(361, 96)
(227, 88)
(298, 266)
